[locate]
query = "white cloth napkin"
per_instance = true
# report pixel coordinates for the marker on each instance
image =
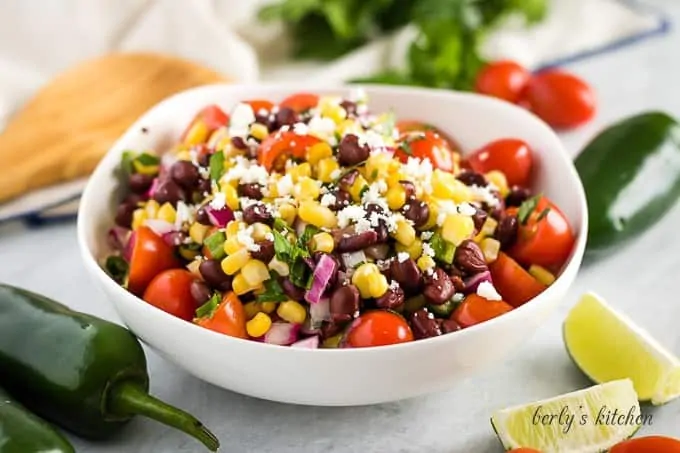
(39, 38)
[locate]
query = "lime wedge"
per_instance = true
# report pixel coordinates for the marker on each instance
(606, 345)
(586, 421)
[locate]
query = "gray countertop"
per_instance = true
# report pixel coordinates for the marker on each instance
(640, 280)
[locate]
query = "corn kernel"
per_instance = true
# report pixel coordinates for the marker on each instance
(457, 228)
(404, 233)
(259, 131)
(425, 262)
(431, 217)
(233, 228)
(198, 133)
(377, 285)
(259, 325)
(361, 278)
(489, 227)
(348, 127)
(542, 274)
(138, 217)
(319, 151)
(198, 232)
(152, 208)
(287, 212)
(279, 267)
(167, 213)
(193, 267)
(326, 169)
(240, 285)
(357, 188)
(251, 309)
(322, 242)
(319, 216)
(261, 231)
(234, 262)
(378, 166)
(183, 155)
(306, 189)
(268, 307)
(232, 245)
(396, 197)
(499, 180)
(490, 248)
(218, 137)
(395, 176)
(331, 108)
(300, 171)
(230, 196)
(292, 311)
(414, 250)
(255, 272)
(446, 186)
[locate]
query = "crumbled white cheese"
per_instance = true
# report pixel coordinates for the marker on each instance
(245, 202)
(300, 128)
(488, 292)
(373, 139)
(420, 172)
(219, 201)
(427, 249)
(426, 235)
(350, 214)
(484, 194)
(403, 256)
(247, 172)
(394, 285)
(374, 194)
(466, 209)
(245, 237)
(285, 185)
(335, 174)
(269, 236)
(328, 199)
(185, 214)
(241, 119)
(358, 95)
(321, 126)
(263, 111)
(458, 297)
(362, 226)
(204, 172)
(447, 207)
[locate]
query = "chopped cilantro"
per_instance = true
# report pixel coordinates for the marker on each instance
(148, 160)
(272, 290)
(280, 224)
(294, 254)
(208, 308)
(117, 268)
(126, 162)
(215, 244)
(542, 215)
(310, 230)
(443, 249)
(527, 208)
(216, 166)
(282, 247)
(406, 147)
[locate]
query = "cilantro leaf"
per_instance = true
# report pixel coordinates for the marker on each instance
(527, 208)
(282, 247)
(126, 162)
(208, 308)
(216, 166)
(273, 292)
(117, 268)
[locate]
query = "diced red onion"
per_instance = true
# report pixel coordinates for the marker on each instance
(377, 251)
(152, 189)
(160, 227)
(219, 217)
(324, 272)
(351, 260)
(307, 343)
(473, 282)
(129, 247)
(320, 312)
(118, 238)
(282, 333)
(173, 238)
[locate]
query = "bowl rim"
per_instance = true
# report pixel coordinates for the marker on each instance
(558, 150)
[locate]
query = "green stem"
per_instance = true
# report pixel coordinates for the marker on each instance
(128, 398)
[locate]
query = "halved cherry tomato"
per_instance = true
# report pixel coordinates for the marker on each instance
(475, 309)
(299, 102)
(559, 98)
(277, 148)
(212, 116)
(228, 318)
(648, 444)
(513, 283)
(508, 155)
(502, 79)
(546, 238)
(150, 256)
(425, 145)
(378, 328)
(171, 292)
(418, 126)
(259, 104)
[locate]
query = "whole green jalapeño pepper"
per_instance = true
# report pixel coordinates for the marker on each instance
(631, 176)
(24, 432)
(80, 372)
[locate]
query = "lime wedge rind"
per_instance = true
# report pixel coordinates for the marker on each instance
(594, 334)
(589, 432)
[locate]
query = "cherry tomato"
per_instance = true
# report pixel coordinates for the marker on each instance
(212, 116)
(502, 79)
(277, 148)
(171, 292)
(513, 283)
(425, 145)
(378, 328)
(545, 239)
(300, 102)
(419, 126)
(228, 318)
(508, 155)
(260, 104)
(649, 444)
(560, 99)
(150, 256)
(475, 309)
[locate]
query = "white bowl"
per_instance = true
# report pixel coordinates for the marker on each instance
(346, 376)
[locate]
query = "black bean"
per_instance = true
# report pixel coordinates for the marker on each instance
(185, 174)
(350, 152)
(257, 212)
(175, 238)
(381, 229)
(471, 178)
(266, 251)
(417, 212)
(456, 277)
(124, 214)
(285, 117)
(407, 274)
(392, 299)
(200, 291)
(469, 257)
(350, 107)
(202, 216)
(204, 186)
(133, 199)
(424, 324)
(238, 143)
(409, 188)
(214, 276)
(140, 183)
(168, 191)
(344, 303)
(329, 329)
(517, 196)
(203, 158)
(251, 190)
(506, 231)
(438, 287)
(448, 325)
(292, 291)
(342, 200)
(479, 217)
(352, 242)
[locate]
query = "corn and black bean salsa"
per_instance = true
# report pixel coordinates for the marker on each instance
(315, 222)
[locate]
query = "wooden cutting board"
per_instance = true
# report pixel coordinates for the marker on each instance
(62, 132)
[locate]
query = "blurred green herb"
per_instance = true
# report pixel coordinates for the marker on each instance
(444, 54)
